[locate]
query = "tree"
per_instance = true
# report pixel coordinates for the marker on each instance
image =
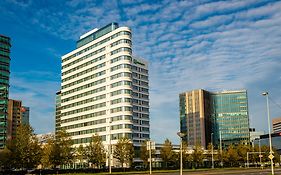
(144, 153)
(26, 149)
(242, 150)
(47, 151)
(232, 156)
(61, 152)
(5, 158)
(197, 155)
(80, 153)
(124, 151)
(166, 152)
(95, 151)
(184, 153)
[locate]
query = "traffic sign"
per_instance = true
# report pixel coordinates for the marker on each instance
(271, 156)
(260, 155)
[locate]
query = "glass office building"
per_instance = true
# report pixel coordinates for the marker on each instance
(230, 117)
(225, 114)
(195, 117)
(5, 45)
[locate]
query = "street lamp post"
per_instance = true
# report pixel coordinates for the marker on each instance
(212, 150)
(269, 133)
(181, 135)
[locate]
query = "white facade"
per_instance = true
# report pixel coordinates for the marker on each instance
(104, 90)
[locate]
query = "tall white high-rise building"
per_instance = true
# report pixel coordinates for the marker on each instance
(104, 89)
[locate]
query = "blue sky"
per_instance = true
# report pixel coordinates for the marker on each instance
(214, 45)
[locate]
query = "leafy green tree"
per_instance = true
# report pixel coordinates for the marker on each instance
(5, 158)
(144, 153)
(124, 151)
(62, 151)
(197, 156)
(95, 151)
(166, 152)
(26, 148)
(47, 151)
(232, 156)
(184, 154)
(242, 150)
(80, 153)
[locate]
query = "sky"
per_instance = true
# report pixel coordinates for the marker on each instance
(213, 45)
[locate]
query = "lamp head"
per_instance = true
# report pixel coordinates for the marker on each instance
(265, 93)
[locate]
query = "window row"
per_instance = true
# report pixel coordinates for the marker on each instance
(84, 57)
(83, 94)
(89, 131)
(141, 83)
(80, 125)
(139, 115)
(119, 109)
(139, 76)
(121, 135)
(97, 44)
(121, 49)
(84, 101)
(85, 86)
(120, 66)
(121, 126)
(120, 100)
(121, 74)
(92, 107)
(87, 140)
(140, 89)
(84, 65)
(120, 83)
(138, 135)
(121, 91)
(121, 117)
(120, 42)
(123, 57)
(84, 72)
(140, 109)
(84, 79)
(139, 95)
(82, 117)
(139, 69)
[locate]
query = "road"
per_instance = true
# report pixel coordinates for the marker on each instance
(228, 172)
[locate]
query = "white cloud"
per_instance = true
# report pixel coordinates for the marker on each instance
(189, 44)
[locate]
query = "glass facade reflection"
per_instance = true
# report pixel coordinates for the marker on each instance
(230, 117)
(5, 46)
(222, 113)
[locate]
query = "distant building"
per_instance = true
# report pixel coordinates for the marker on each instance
(255, 134)
(25, 115)
(195, 117)
(58, 111)
(276, 141)
(14, 117)
(5, 45)
(43, 138)
(225, 114)
(276, 125)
